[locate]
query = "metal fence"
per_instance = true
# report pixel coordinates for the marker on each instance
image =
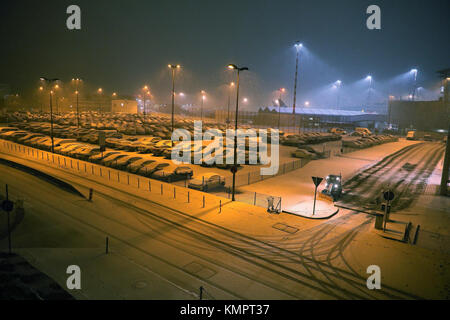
(247, 178)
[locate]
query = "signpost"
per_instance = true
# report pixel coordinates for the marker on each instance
(317, 181)
(388, 196)
(8, 206)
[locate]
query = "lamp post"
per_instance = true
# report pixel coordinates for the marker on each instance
(50, 81)
(173, 67)
(282, 90)
(201, 108)
(234, 169)
(99, 91)
(145, 90)
(56, 98)
(338, 88)
(298, 46)
(77, 80)
(41, 89)
(229, 98)
(369, 78)
(414, 73)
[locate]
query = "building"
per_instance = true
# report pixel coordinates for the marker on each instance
(307, 118)
(419, 115)
(124, 106)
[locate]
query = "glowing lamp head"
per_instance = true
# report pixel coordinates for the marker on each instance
(306, 103)
(232, 66)
(414, 71)
(369, 78)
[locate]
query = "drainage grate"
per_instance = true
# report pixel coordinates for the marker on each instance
(285, 228)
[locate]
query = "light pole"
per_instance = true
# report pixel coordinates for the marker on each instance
(77, 94)
(338, 88)
(414, 73)
(298, 46)
(369, 78)
(145, 90)
(229, 98)
(50, 81)
(201, 108)
(234, 169)
(56, 98)
(41, 89)
(100, 91)
(173, 67)
(282, 90)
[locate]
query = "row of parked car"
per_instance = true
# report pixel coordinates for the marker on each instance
(297, 140)
(111, 158)
(369, 141)
(117, 159)
(158, 125)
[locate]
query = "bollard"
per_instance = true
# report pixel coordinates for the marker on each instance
(254, 200)
(101, 172)
(203, 201)
(91, 193)
(78, 165)
(138, 183)
(174, 193)
(128, 179)
(85, 168)
(149, 186)
(161, 189)
(220, 206)
(118, 176)
(189, 200)
(109, 174)
(107, 245)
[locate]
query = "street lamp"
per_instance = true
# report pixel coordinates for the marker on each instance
(50, 81)
(234, 169)
(203, 100)
(41, 89)
(229, 97)
(369, 78)
(173, 67)
(337, 85)
(414, 73)
(282, 90)
(99, 91)
(298, 47)
(77, 80)
(145, 90)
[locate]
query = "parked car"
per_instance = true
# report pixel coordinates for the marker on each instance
(96, 158)
(136, 165)
(173, 173)
(207, 182)
(148, 169)
(303, 154)
(123, 162)
(108, 161)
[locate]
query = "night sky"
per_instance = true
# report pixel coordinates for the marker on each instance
(125, 44)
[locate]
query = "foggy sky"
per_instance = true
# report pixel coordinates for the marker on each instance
(126, 44)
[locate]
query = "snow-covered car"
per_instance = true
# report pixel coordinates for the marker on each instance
(172, 173)
(207, 182)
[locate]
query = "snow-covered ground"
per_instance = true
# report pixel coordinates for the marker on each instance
(161, 248)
